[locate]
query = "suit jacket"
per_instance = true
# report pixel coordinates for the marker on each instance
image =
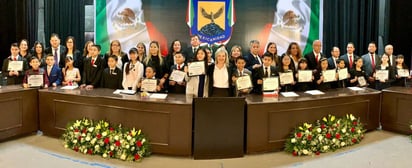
(367, 64)
(259, 74)
(331, 63)
(55, 75)
(345, 57)
(92, 73)
(112, 80)
(190, 55)
(210, 72)
(12, 80)
(62, 56)
(250, 61)
(177, 88)
(236, 73)
(312, 63)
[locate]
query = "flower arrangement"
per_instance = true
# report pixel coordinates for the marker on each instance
(100, 138)
(325, 135)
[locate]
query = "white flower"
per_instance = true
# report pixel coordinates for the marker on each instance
(333, 140)
(83, 134)
(87, 138)
(359, 131)
(307, 131)
(84, 151)
(91, 129)
(96, 147)
(116, 137)
(104, 133)
(123, 156)
(342, 144)
(104, 155)
(74, 141)
(71, 127)
(132, 149)
(305, 151)
(293, 140)
(320, 137)
(313, 143)
(325, 148)
(303, 142)
(93, 141)
(129, 137)
(127, 146)
(352, 117)
(66, 146)
(319, 130)
(344, 130)
(143, 140)
(112, 147)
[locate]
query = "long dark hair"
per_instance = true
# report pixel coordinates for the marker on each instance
(204, 60)
(74, 45)
(134, 51)
(404, 66)
(171, 51)
(290, 66)
(42, 49)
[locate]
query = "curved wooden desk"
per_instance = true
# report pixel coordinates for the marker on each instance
(18, 111)
(167, 123)
(270, 120)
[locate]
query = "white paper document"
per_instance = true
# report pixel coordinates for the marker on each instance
(69, 87)
(314, 92)
(356, 88)
(158, 96)
(289, 94)
(121, 91)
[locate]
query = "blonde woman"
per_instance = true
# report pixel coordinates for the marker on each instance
(155, 59)
(220, 75)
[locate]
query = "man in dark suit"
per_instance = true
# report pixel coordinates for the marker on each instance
(389, 53)
(54, 73)
(13, 76)
(253, 61)
(93, 67)
(57, 50)
(335, 56)
(190, 51)
(112, 76)
(350, 56)
(264, 71)
(370, 61)
(314, 57)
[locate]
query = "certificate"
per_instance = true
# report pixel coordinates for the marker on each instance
(149, 85)
(362, 81)
(15, 66)
(343, 73)
(196, 68)
(382, 75)
(403, 72)
(243, 82)
(177, 76)
(35, 80)
(286, 78)
(304, 76)
(329, 75)
(270, 84)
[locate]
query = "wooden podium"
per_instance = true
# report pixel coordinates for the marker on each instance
(219, 125)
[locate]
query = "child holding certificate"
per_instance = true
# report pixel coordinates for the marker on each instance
(112, 75)
(14, 66)
(70, 73)
(36, 76)
(132, 71)
(304, 82)
(198, 85)
(150, 83)
(265, 71)
(357, 74)
(240, 72)
(343, 73)
(384, 74)
(287, 74)
(319, 76)
(401, 72)
(177, 83)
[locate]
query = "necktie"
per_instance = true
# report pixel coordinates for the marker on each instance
(241, 73)
(350, 61)
(92, 61)
(56, 57)
(14, 58)
(178, 67)
(266, 72)
(194, 50)
(373, 61)
(111, 71)
(317, 58)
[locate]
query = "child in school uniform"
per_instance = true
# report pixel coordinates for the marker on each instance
(150, 73)
(112, 76)
(385, 65)
(400, 65)
(177, 86)
(303, 86)
(341, 65)
(239, 72)
(35, 70)
(198, 86)
(357, 73)
(265, 71)
(287, 66)
(93, 67)
(319, 78)
(132, 71)
(54, 73)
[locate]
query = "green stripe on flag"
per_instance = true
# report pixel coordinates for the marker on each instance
(314, 25)
(102, 37)
(192, 13)
(229, 15)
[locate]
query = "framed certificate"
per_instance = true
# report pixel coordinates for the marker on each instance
(382, 75)
(196, 68)
(286, 78)
(35, 80)
(362, 81)
(329, 75)
(15, 66)
(177, 76)
(270, 84)
(403, 72)
(343, 73)
(304, 76)
(243, 82)
(149, 85)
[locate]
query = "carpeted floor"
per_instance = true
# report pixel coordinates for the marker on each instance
(378, 149)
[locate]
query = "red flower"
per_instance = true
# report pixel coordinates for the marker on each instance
(117, 143)
(354, 140)
(328, 135)
(111, 153)
(139, 144)
(76, 130)
(317, 153)
(299, 134)
(136, 157)
(337, 136)
(84, 130)
(310, 129)
(99, 136)
(294, 153)
(106, 140)
(352, 129)
(323, 126)
(76, 148)
(80, 137)
(89, 152)
(337, 125)
(355, 123)
(111, 129)
(309, 137)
